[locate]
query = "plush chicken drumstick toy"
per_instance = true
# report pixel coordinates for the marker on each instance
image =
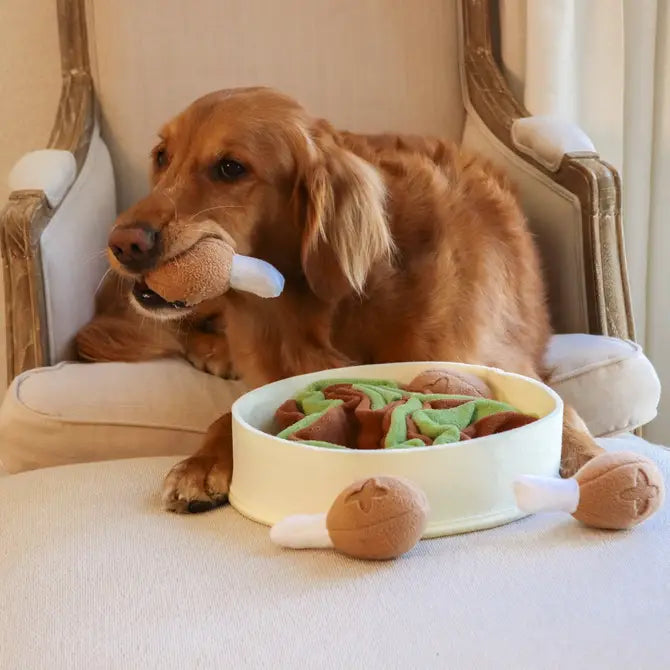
(615, 491)
(208, 270)
(377, 518)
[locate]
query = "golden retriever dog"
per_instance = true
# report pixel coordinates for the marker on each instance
(394, 248)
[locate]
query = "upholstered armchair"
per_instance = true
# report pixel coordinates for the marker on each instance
(94, 574)
(64, 199)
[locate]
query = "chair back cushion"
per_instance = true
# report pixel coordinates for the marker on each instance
(365, 65)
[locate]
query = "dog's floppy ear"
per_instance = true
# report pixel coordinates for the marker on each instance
(345, 228)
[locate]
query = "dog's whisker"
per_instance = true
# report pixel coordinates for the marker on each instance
(203, 231)
(119, 284)
(96, 256)
(211, 209)
(102, 279)
(171, 201)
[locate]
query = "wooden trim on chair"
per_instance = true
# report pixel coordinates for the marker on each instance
(595, 183)
(27, 213)
(598, 187)
(23, 220)
(75, 116)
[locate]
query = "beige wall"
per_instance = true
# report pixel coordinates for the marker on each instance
(29, 90)
(29, 79)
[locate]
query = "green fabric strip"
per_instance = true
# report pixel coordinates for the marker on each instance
(380, 396)
(397, 431)
(315, 401)
(414, 442)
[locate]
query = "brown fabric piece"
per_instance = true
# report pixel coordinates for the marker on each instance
(351, 397)
(374, 425)
(287, 414)
(496, 423)
(370, 431)
(336, 426)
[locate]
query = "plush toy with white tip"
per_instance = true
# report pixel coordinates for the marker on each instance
(616, 491)
(378, 518)
(208, 270)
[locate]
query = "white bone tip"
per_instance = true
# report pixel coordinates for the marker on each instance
(546, 494)
(302, 531)
(254, 275)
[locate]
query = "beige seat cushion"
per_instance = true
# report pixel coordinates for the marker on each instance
(74, 413)
(95, 575)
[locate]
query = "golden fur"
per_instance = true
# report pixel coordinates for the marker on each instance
(393, 248)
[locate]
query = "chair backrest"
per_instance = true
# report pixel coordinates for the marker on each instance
(365, 65)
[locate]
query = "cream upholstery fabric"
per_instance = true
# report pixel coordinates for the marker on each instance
(95, 575)
(368, 66)
(75, 412)
(73, 249)
(555, 217)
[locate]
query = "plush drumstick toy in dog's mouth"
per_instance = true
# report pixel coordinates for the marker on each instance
(207, 270)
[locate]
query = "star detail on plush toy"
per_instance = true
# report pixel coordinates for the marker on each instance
(641, 494)
(365, 496)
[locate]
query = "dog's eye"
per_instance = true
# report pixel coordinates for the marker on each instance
(161, 158)
(228, 170)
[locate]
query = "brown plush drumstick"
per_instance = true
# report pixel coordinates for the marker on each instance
(208, 270)
(615, 491)
(377, 518)
(451, 382)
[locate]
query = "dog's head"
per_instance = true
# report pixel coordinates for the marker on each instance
(250, 166)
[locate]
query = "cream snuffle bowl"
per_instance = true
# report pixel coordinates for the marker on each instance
(469, 484)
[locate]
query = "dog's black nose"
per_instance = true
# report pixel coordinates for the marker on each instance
(136, 246)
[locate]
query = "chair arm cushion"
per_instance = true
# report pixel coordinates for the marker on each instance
(547, 139)
(610, 382)
(52, 171)
(72, 249)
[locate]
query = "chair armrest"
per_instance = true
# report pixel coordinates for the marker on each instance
(52, 250)
(610, 382)
(582, 236)
(54, 258)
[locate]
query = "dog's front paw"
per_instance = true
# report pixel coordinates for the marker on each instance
(198, 484)
(209, 352)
